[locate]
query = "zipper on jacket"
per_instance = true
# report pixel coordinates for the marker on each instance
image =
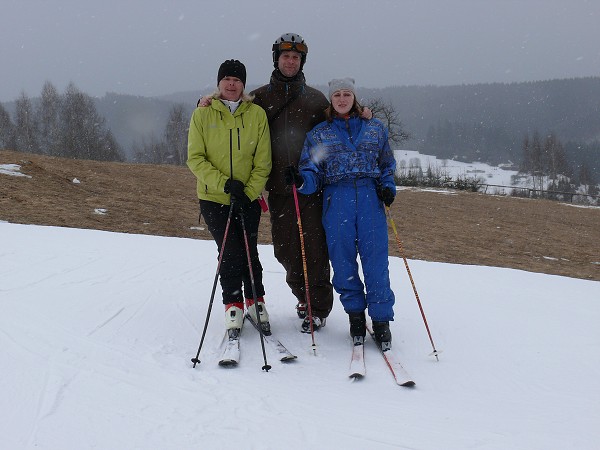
(347, 122)
(230, 153)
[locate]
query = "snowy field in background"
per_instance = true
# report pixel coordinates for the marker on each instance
(97, 331)
(489, 174)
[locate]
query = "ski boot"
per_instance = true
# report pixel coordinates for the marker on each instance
(317, 324)
(383, 335)
(264, 316)
(301, 310)
(358, 327)
(234, 318)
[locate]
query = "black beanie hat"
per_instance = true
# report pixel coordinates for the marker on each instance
(232, 68)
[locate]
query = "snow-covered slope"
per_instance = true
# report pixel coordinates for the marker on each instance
(492, 175)
(97, 331)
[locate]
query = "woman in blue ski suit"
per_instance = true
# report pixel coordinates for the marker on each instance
(351, 160)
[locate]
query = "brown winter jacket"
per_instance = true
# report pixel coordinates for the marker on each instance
(288, 125)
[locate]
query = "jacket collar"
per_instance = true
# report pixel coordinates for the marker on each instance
(278, 81)
(220, 106)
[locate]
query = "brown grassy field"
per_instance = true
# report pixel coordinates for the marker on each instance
(434, 225)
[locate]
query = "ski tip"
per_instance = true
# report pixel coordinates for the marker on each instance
(409, 383)
(356, 376)
(288, 358)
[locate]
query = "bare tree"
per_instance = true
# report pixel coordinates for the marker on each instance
(537, 162)
(7, 130)
(48, 118)
(108, 148)
(176, 132)
(388, 115)
(83, 131)
(546, 162)
(71, 122)
(556, 160)
(587, 181)
(25, 125)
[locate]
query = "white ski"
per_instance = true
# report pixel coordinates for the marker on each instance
(392, 360)
(274, 344)
(231, 352)
(357, 363)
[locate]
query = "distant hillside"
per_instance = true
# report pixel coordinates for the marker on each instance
(487, 122)
(480, 122)
(568, 107)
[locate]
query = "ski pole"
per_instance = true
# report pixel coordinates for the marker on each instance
(266, 367)
(212, 294)
(435, 352)
(306, 291)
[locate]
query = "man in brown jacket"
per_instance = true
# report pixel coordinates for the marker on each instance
(293, 109)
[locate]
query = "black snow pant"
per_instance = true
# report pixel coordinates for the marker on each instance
(234, 266)
(287, 248)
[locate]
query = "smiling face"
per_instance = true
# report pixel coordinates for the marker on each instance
(289, 63)
(342, 101)
(231, 88)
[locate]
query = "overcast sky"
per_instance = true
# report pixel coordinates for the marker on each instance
(156, 47)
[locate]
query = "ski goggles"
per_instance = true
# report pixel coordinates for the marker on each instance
(299, 47)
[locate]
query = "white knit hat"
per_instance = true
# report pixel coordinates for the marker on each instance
(337, 84)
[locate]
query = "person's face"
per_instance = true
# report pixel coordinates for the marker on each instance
(342, 101)
(231, 88)
(289, 63)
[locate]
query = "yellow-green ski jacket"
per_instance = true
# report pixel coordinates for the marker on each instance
(215, 136)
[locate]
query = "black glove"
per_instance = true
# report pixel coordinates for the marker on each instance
(386, 195)
(236, 189)
(292, 176)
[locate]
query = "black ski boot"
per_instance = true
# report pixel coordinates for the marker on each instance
(301, 310)
(383, 335)
(317, 324)
(358, 327)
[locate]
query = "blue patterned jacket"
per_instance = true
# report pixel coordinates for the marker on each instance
(346, 149)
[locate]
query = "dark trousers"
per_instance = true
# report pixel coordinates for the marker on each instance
(287, 249)
(234, 273)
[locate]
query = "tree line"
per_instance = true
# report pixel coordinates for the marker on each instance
(171, 148)
(65, 125)
(484, 124)
(545, 171)
(545, 161)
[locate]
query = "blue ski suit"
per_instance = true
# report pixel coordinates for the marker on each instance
(350, 158)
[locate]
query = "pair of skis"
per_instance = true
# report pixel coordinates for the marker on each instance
(358, 368)
(230, 355)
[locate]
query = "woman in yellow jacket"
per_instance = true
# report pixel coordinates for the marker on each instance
(229, 152)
